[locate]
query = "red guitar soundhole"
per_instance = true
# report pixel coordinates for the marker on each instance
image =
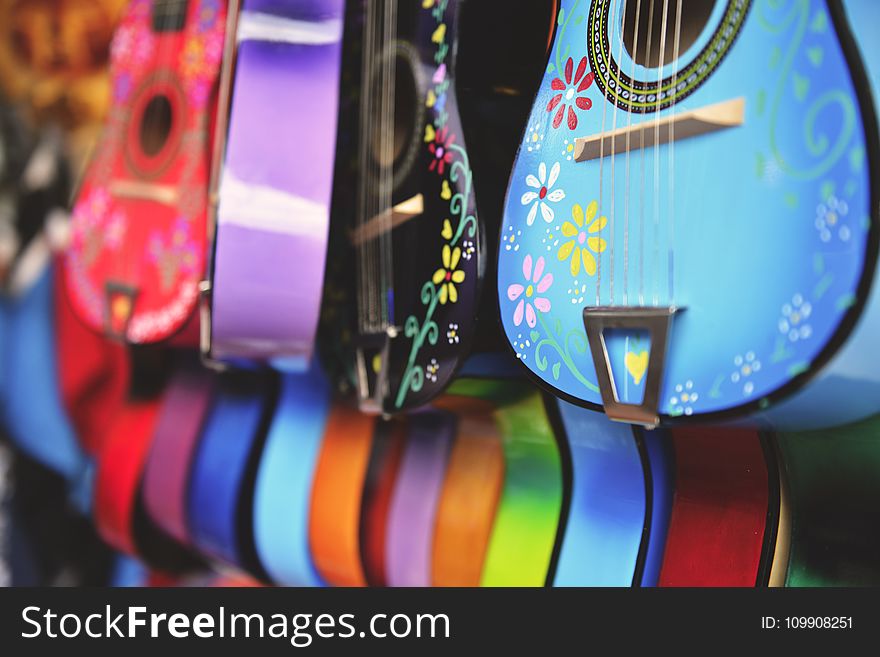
(139, 224)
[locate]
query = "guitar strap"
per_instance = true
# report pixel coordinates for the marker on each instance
(93, 372)
(659, 459)
(525, 528)
(835, 519)
(382, 473)
(220, 495)
(608, 510)
(412, 514)
(285, 478)
(178, 429)
(468, 502)
(719, 519)
(119, 470)
(334, 516)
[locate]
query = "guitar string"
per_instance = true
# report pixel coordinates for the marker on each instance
(656, 228)
(383, 167)
(613, 154)
(635, 51)
(643, 168)
(130, 268)
(362, 247)
(601, 211)
(388, 288)
(671, 193)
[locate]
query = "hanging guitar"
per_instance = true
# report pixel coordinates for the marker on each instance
(139, 225)
(421, 83)
(835, 532)
(642, 278)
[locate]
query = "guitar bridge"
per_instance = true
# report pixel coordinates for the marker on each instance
(119, 308)
(371, 370)
(655, 322)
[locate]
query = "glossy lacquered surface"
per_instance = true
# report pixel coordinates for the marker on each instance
(607, 512)
(771, 273)
(285, 476)
(272, 221)
(723, 499)
(835, 521)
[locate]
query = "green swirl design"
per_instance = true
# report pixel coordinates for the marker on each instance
(426, 330)
(564, 352)
(818, 144)
(414, 375)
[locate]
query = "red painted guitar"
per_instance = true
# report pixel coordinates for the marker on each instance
(139, 224)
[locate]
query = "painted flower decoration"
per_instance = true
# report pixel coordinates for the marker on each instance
(432, 369)
(745, 367)
(682, 402)
(544, 195)
(439, 148)
(569, 97)
(793, 322)
(536, 283)
(452, 334)
(177, 255)
(582, 248)
(830, 218)
(449, 275)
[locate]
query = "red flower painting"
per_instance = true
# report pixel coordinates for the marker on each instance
(575, 83)
(440, 150)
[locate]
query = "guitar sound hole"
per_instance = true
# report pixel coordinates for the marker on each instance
(695, 15)
(394, 152)
(156, 125)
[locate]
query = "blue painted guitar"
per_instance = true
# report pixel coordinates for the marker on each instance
(691, 230)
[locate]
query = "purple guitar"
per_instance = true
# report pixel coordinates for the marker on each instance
(276, 181)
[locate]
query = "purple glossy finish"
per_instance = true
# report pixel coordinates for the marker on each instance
(415, 497)
(275, 192)
(177, 433)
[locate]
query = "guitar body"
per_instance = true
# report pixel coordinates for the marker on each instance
(413, 510)
(835, 529)
(283, 487)
(272, 221)
(175, 442)
(722, 529)
(337, 496)
(520, 549)
(408, 244)
(471, 493)
(34, 413)
(607, 513)
(659, 461)
(718, 298)
(382, 473)
(220, 493)
(139, 225)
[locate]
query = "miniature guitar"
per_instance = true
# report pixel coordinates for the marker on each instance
(692, 214)
(413, 511)
(220, 485)
(421, 81)
(834, 529)
(521, 544)
(607, 521)
(273, 209)
(139, 225)
(283, 486)
(724, 519)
